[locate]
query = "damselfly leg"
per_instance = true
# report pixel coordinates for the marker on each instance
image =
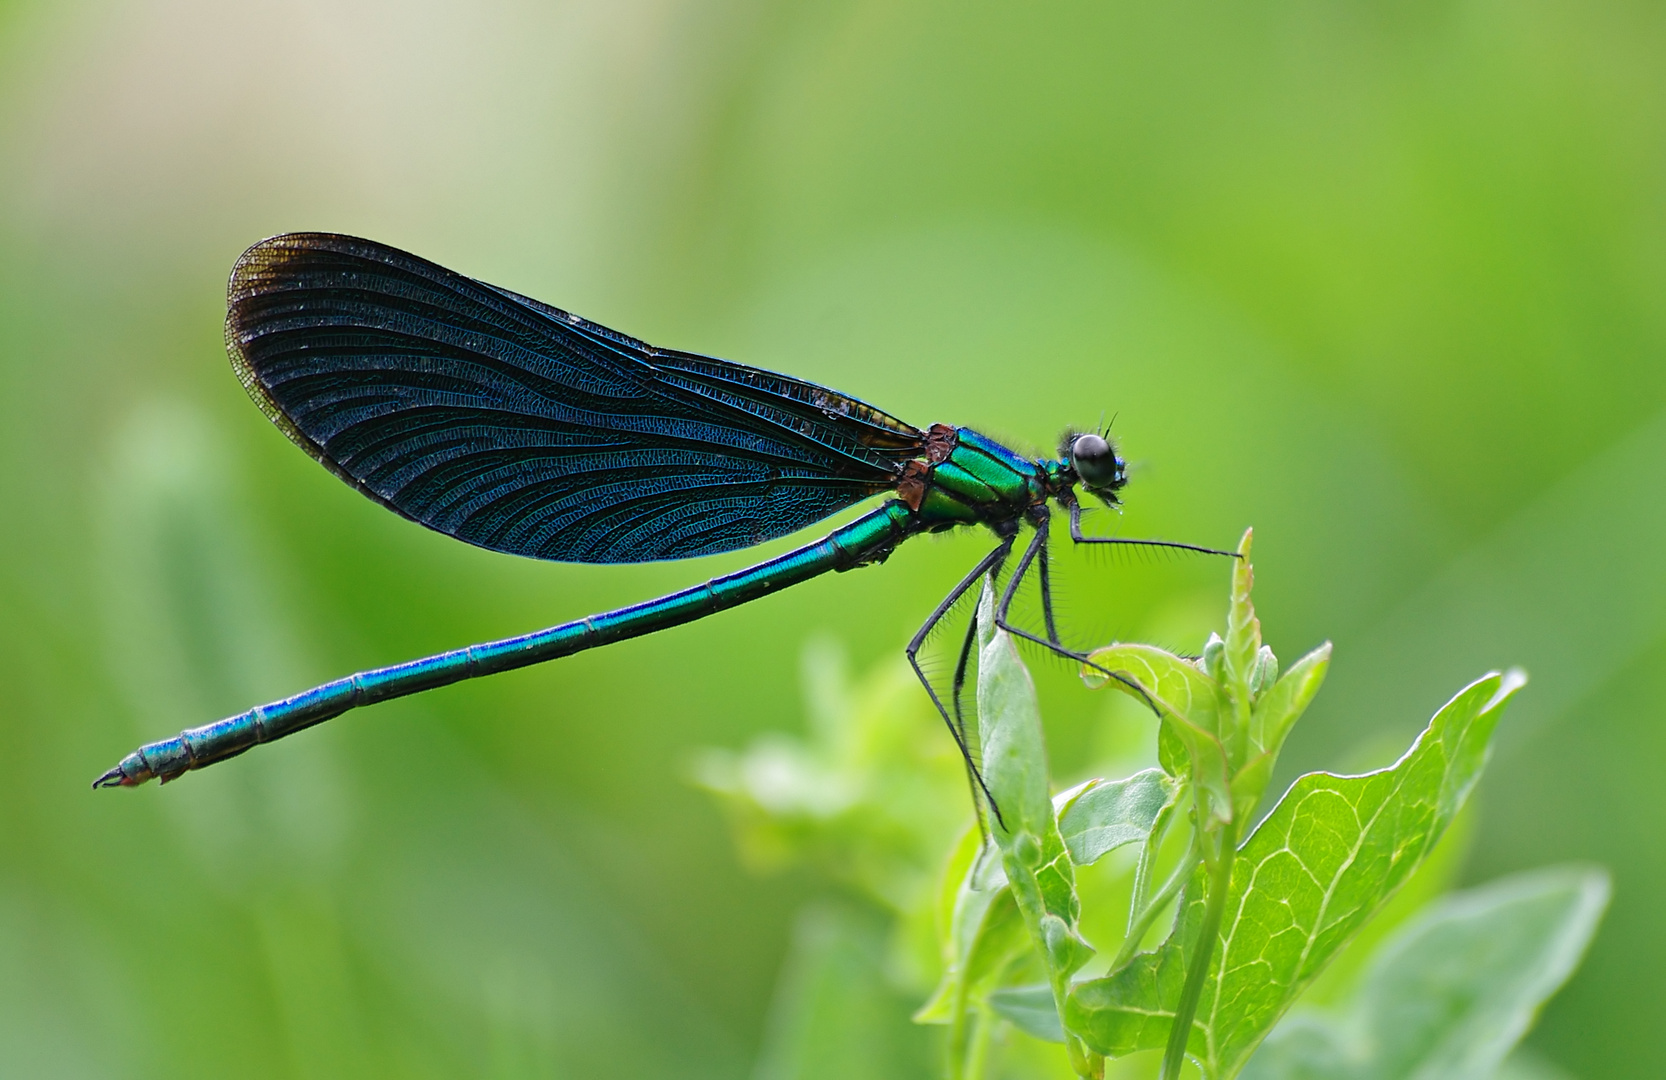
(989, 564)
(1077, 537)
(1036, 554)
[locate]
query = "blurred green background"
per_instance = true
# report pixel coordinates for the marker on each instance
(1384, 280)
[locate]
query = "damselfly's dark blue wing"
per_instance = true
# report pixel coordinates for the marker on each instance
(521, 428)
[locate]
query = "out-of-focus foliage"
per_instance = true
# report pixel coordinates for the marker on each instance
(871, 799)
(870, 802)
(1448, 996)
(1382, 279)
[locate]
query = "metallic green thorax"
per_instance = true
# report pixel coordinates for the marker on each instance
(974, 481)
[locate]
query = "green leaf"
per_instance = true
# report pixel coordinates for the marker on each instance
(1282, 704)
(1015, 766)
(950, 891)
(1275, 712)
(1037, 864)
(1264, 673)
(1030, 1009)
(1434, 877)
(982, 932)
(1330, 853)
(1189, 702)
(1172, 754)
(1453, 991)
(1243, 629)
(1102, 815)
(1178, 681)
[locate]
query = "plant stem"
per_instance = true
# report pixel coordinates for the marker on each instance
(957, 1035)
(1220, 882)
(1139, 920)
(1080, 1061)
(1086, 1064)
(978, 1053)
(1148, 863)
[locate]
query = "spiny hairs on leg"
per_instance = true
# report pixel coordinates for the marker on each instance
(1173, 545)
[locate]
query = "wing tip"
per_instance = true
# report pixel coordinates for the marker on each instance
(258, 272)
(261, 396)
(262, 262)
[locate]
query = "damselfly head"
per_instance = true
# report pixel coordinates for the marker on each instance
(1097, 466)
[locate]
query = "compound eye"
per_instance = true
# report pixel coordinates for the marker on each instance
(1095, 461)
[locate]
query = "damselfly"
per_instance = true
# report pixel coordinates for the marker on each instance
(522, 428)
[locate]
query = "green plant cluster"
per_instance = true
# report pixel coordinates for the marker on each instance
(1259, 908)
